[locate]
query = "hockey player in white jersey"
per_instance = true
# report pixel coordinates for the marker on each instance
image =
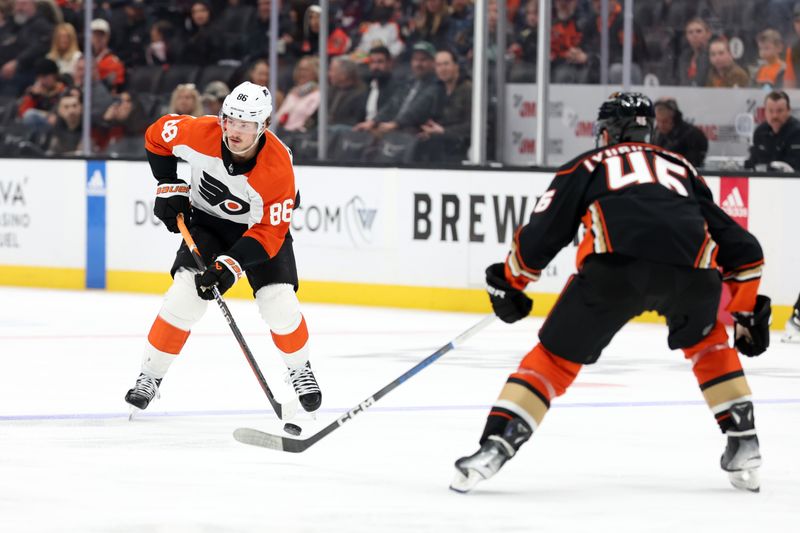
(238, 208)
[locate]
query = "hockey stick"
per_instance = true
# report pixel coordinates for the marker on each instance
(284, 411)
(288, 444)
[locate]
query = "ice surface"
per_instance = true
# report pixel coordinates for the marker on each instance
(631, 447)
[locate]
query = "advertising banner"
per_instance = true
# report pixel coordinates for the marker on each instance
(43, 213)
(136, 239)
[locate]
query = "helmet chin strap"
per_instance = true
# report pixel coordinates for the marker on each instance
(261, 129)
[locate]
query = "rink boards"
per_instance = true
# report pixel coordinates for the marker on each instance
(397, 237)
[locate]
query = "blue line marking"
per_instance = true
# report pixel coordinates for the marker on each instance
(339, 411)
(96, 224)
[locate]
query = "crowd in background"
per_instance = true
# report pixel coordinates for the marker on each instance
(400, 87)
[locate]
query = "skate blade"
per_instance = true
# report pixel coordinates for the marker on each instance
(791, 338)
(465, 483)
(289, 409)
(791, 334)
(133, 412)
(748, 480)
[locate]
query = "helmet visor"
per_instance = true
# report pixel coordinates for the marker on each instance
(240, 126)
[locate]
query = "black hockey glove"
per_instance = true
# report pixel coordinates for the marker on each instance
(751, 330)
(223, 272)
(508, 303)
(172, 197)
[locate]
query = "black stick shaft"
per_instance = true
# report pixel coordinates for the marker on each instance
(198, 259)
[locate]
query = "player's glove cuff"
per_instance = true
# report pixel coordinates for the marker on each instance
(172, 199)
(751, 330)
(509, 304)
(223, 272)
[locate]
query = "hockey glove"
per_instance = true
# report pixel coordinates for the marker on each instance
(508, 303)
(172, 198)
(751, 330)
(223, 272)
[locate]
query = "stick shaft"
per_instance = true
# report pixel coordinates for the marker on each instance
(288, 444)
(198, 259)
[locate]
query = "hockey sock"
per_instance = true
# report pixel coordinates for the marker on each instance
(719, 374)
(293, 344)
(540, 377)
(165, 341)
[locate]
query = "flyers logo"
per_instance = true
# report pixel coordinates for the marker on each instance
(217, 193)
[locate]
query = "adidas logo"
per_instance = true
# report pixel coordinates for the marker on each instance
(733, 204)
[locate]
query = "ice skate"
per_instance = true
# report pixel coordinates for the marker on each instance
(742, 458)
(792, 332)
(491, 456)
(306, 387)
(140, 396)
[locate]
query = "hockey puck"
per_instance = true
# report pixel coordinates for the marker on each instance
(292, 429)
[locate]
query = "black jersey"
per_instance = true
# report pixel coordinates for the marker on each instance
(641, 201)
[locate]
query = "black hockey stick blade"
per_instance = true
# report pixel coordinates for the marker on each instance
(284, 411)
(255, 437)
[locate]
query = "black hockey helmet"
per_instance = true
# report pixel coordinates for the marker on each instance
(627, 117)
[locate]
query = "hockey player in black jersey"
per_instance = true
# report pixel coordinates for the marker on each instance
(654, 240)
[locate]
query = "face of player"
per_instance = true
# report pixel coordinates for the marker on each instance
(241, 134)
(777, 113)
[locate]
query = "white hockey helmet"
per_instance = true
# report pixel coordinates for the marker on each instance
(249, 102)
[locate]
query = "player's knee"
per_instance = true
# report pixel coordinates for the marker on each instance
(182, 307)
(279, 307)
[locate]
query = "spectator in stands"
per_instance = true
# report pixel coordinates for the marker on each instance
(447, 138)
(693, 63)
(770, 46)
(213, 96)
(38, 105)
(724, 71)
(676, 135)
(308, 43)
(203, 44)
(130, 33)
(185, 100)
(616, 33)
(259, 74)
(524, 48)
(7, 33)
(257, 33)
(109, 66)
(65, 138)
(161, 49)
(232, 22)
(776, 142)
(569, 61)
(346, 93)
(431, 24)
(101, 95)
(793, 52)
(299, 109)
(415, 101)
(462, 18)
(381, 87)
(125, 117)
(381, 29)
(64, 49)
(33, 34)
